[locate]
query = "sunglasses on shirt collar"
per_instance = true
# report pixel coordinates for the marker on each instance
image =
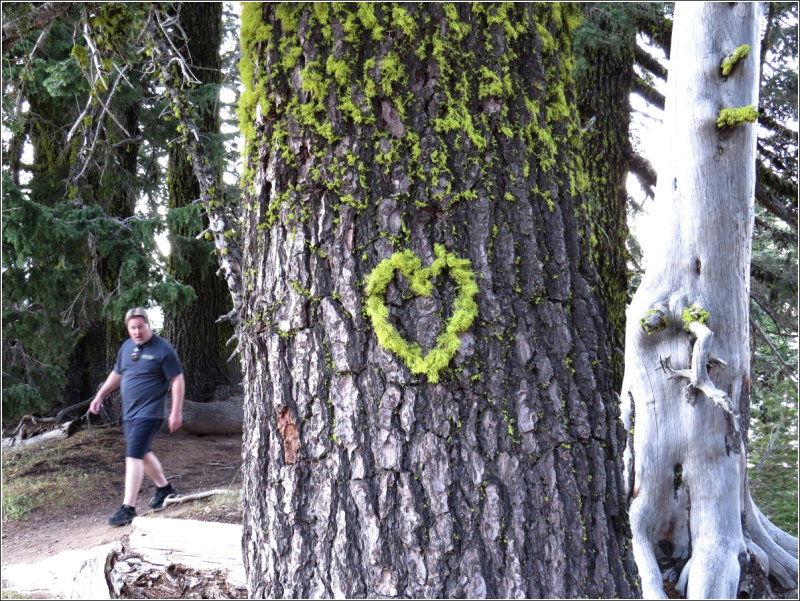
(137, 352)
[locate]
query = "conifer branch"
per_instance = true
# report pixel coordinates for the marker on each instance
(785, 368)
(40, 17)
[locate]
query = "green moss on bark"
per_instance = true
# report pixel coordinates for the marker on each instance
(732, 117)
(733, 59)
(465, 309)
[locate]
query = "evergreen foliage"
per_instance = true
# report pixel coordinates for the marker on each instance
(81, 219)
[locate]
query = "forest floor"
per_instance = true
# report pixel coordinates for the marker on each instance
(57, 497)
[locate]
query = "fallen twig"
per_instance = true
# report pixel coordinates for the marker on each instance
(199, 495)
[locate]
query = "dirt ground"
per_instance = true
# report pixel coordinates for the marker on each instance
(192, 463)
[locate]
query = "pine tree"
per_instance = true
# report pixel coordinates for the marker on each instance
(429, 408)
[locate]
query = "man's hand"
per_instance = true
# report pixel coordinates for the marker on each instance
(111, 384)
(174, 422)
(96, 404)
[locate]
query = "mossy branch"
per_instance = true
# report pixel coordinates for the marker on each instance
(654, 320)
(733, 117)
(165, 57)
(694, 314)
(730, 61)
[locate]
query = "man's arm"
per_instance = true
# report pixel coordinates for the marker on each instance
(110, 385)
(176, 414)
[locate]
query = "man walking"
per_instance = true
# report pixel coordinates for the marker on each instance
(146, 367)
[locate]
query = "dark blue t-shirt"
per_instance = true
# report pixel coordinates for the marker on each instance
(145, 381)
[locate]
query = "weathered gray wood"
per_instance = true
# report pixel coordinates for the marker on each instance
(58, 432)
(203, 546)
(686, 389)
(196, 496)
(164, 558)
(74, 574)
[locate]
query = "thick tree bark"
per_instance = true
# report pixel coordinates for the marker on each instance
(687, 358)
(199, 340)
(378, 129)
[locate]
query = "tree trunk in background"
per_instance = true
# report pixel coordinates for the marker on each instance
(604, 87)
(373, 129)
(688, 412)
(193, 331)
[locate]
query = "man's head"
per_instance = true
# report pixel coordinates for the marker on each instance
(138, 325)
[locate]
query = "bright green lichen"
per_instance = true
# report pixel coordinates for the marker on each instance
(346, 83)
(392, 72)
(404, 21)
(254, 32)
(732, 117)
(465, 309)
(730, 62)
(692, 314)
(654, 320)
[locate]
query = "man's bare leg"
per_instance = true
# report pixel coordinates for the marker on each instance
(134, 472)
(153, 469)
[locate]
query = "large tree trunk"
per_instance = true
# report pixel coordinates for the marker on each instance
(193, 329)
(604, 86)
(687, 363)
(496, 471)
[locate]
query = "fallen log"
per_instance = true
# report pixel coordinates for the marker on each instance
(134, 578)
(207, 547)
(220, 417)
(73, 574)
(22, 438)
(163, 559)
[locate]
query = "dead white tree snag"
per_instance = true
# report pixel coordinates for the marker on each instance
(686, 385)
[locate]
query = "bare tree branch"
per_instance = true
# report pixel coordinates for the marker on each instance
(649, 62)
(644, 172)
(770, 192)
(175, 74)
(764, 305)
(770, 123)
(786, 369)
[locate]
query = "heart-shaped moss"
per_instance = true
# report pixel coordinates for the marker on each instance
(464, 307)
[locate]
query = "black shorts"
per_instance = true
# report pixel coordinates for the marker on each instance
(139, 436)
